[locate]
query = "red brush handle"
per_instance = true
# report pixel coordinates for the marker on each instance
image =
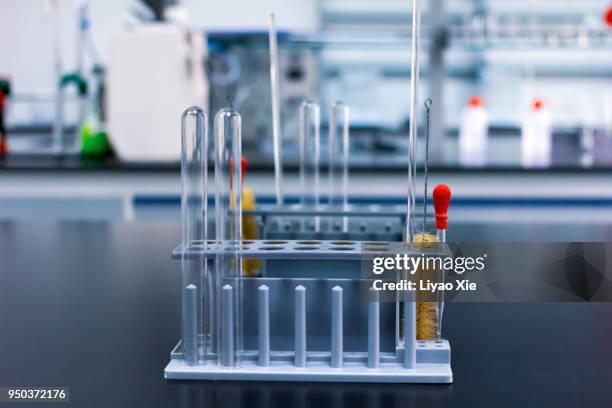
(441, 198)
(243, 168)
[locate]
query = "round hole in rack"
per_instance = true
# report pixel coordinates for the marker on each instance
(342, 248)
(306, 248)
(236, 243)
(244, 248)
(211, 241)
(438, 346)
(271, 248)
(376, 243)
(375, 249)
(309, 242)
(275, 242)
(343, 243)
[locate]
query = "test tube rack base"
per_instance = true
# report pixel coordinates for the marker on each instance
(432, 367)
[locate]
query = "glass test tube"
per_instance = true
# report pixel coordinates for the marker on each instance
(338, 160)
(196, 324)
(228, 227)
(310, 153)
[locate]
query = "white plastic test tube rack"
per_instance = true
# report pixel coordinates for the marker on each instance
(411, 362)
(215, 291)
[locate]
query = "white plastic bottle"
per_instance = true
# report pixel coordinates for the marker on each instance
(473, 134)
(536, 140)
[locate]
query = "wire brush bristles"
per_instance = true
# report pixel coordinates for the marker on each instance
(426, 311)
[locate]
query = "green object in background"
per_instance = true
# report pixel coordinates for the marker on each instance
(94, 142)
(76, 79)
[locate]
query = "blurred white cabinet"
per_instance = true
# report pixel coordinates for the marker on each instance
(151, 82)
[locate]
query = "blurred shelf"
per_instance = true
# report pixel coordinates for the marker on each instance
(260, 164)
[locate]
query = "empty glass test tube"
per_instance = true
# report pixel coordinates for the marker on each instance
(310, 154)
(228, 228)
(338, 161)
(196, 316)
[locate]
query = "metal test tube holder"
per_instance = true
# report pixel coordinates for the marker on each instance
(270, 302)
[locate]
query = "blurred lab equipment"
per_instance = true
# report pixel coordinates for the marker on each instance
(608, 16)
(60, 143)
(53, 13)
(5, 91)
(473, 134)
(81, 41)
(151, 79)
(240, 65)
(536, 140)
(94, 138)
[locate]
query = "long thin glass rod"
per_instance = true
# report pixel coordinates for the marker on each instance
(414, 99)
(276, 125)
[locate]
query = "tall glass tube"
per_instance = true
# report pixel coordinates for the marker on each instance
(276, 114)
(338, 160)
(414, 125)
(196, 316)
(310, 154)
(228, 229)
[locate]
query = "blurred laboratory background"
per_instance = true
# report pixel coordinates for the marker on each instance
(91, 94)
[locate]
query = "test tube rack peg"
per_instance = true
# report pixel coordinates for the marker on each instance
(336, 328)
(227, 327)
(300, 326)
(190, 344)
(264, 326)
